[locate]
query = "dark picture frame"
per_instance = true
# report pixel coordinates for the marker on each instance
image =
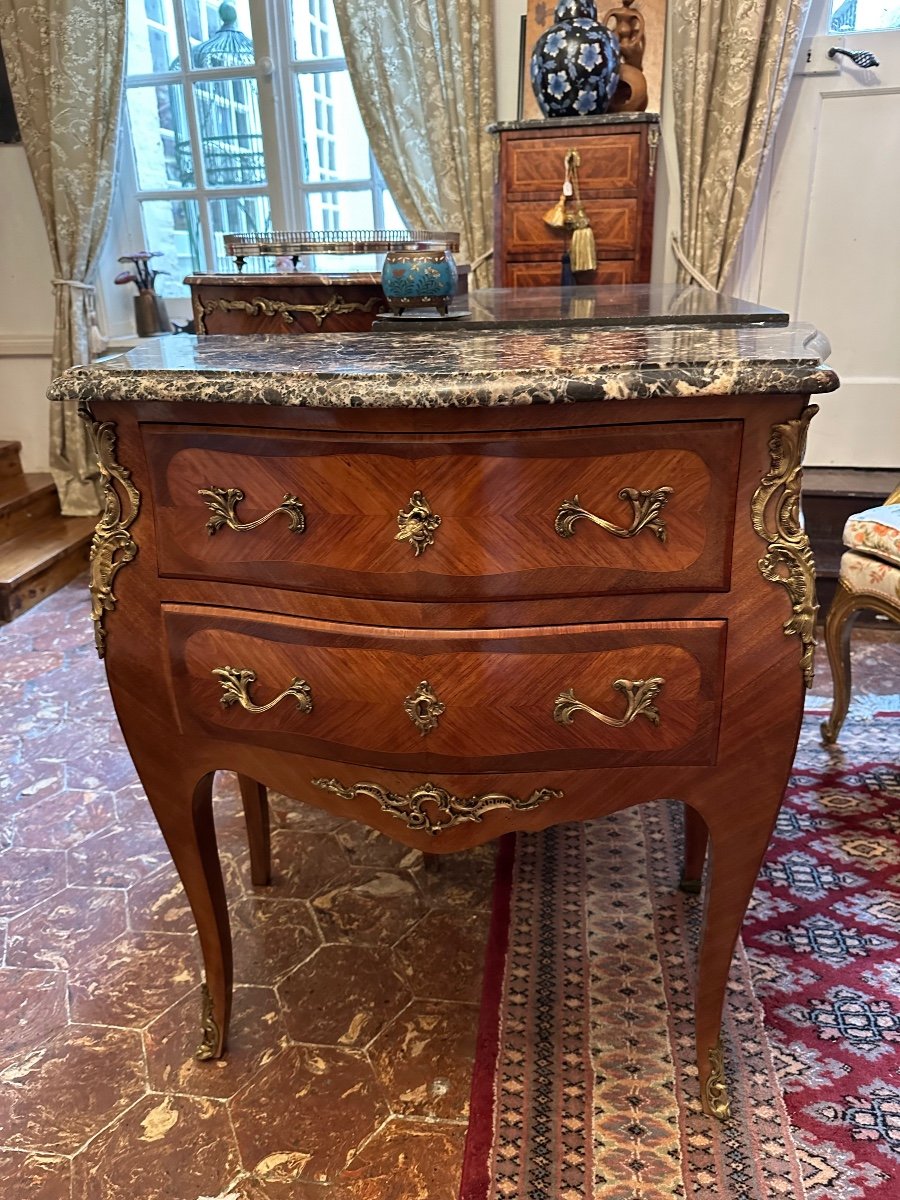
(9, 125)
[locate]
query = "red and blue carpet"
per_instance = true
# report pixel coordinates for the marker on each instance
(584, 1085)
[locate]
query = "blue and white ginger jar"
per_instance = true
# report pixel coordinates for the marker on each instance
(575, 64)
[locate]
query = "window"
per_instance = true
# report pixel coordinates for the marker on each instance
(242, 119)
(863, 16)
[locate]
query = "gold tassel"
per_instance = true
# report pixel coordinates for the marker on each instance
(583, 250)
(556, 216)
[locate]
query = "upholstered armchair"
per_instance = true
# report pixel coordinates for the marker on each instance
(869, 578)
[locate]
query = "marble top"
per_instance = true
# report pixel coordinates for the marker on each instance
(625, 304)
(471, 369)
(620, 118)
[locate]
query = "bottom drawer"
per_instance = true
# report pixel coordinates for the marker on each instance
(548, 274)
(560, 698)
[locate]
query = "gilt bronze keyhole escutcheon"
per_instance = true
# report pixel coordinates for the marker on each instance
(417, 524)
(423, 708)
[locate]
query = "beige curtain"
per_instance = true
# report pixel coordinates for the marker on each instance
(65, 60)
(423, 74)
(731, 66)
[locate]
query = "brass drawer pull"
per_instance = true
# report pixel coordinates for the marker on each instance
(417, 524)
(647, 507)
(412, 811)
(236, 690)
(223, 501)
(423, 708)
(639, 693)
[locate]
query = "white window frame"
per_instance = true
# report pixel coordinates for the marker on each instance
(277, 73)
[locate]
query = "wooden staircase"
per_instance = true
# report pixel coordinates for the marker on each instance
(40, 550)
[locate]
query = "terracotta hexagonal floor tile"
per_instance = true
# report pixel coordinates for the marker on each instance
(164, 1148)
(35, 1176)
(423, 1059)
(410, 1159)
(369, 906)
(28, 877)
(442, 958)
(32, 1007)
(461, 880)
(302, 863)
(342, 996)
(367, 847)
(54, 1098)
(304, 1116)
(271, 937)
(130, 981)
(118, 857)
(256, 1036)
(132, 805)
(158, 904)
(62, 931)
(66, 819)
(249, 1187)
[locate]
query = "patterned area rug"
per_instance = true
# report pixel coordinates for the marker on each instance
(585, 1086)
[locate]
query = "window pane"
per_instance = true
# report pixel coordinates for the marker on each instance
(239, 214)
(316, 32)
(173, 226)
(341, 210)
(230, 132)
(392, 218)
(857, 16)
(335, 146)
(216, 42)
(162, 152)
(151, 40)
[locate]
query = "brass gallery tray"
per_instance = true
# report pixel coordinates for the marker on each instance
(241, 246)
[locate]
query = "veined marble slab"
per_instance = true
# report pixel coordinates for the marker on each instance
(469, 369)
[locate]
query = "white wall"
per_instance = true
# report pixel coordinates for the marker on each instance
(26, 312)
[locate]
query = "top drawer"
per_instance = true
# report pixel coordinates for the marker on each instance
(524, 515)
(609, 163)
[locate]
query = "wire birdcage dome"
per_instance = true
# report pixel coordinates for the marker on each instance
(228, 46)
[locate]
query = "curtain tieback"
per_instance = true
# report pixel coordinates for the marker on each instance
(73, 283)
(481, 259)
(98, 341)
(697, 276)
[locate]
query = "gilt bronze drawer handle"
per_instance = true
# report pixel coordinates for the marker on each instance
(236, 690)
(417, 524)
(423, 708)
(639, 694)
(647, 507)
(223, 501)
(423, 807)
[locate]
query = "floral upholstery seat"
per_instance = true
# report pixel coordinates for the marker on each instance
(877, 532)
(869, 578)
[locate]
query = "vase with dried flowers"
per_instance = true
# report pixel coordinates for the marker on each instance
(150, 316)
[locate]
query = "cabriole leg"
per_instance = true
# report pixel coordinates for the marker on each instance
(183, 808)
(844, 610)
(256, 813)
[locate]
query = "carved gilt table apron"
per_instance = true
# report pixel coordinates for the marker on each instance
(453, 588)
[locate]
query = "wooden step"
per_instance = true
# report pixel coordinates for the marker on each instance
(25, 500)
(40, 561)
(10, 463)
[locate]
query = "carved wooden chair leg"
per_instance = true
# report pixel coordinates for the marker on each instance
(184, 812)
(696, 837)
(845, 608)
(256, 813)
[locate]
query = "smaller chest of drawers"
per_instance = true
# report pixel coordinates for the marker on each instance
(617, 176)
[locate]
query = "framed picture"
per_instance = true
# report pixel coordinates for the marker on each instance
(9, 126)
(539, 18)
